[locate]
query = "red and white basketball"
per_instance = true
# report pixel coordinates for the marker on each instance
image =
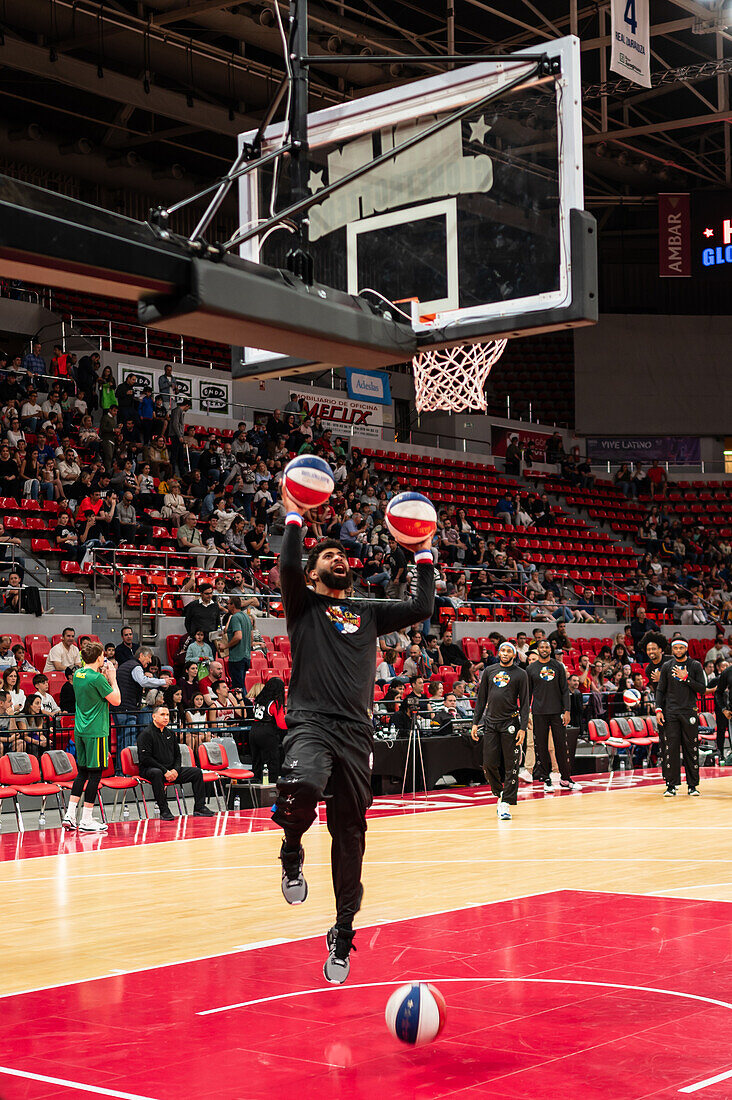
(415, 1013)
(631, 697)
(411, 518)
(308, 479)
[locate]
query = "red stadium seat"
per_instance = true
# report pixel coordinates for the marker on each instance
(22, 773)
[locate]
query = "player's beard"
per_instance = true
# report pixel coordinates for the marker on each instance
(336, 580)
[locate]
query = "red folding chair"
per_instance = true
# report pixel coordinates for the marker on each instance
(22, 772)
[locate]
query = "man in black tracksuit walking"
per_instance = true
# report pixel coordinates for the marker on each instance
(329, 744)
(549, 690)
(679, 684)
(502, 706)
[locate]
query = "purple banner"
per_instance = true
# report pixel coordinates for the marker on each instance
(678, 450)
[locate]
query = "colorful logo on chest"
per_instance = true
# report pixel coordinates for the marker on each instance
(547, 673)
(344, 620)
(501, 679)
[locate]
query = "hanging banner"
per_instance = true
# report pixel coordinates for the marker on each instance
(630, 28)
(342, 415)
(674, 236)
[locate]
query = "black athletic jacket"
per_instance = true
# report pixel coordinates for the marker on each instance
(333, 641)
(158, 749)
(651, 667)
(548, 686)
(503, 694)
(674, 696)
(723, 690)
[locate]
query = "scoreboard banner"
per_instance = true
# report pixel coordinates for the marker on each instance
(630, 34)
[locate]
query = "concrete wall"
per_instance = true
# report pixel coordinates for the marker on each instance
(45, 624)
(654, 375)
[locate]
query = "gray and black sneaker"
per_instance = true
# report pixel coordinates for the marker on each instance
(670, 791)
(694, 792)
(294, 886)
(338, 964)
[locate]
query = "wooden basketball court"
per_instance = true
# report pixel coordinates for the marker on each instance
(161, 961)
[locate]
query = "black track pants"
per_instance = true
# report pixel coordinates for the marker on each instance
(543, 766)
(335, 762)
(502, 756)
(681, 735)
(722, 726)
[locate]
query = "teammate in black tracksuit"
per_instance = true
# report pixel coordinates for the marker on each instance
(679, 684)
(655, 645)
(502, 706)
(329, 743)
(549, 691)
(723, 708)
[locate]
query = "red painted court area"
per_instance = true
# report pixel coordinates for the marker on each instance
(567, 994)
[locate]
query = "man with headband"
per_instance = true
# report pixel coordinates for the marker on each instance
(503, 708)
(679, 684)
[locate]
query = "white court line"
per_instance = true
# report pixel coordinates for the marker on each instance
(293, 939)
(709, 1081)
(446, 981)
(97, 1090)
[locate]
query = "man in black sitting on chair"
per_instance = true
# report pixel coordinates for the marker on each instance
(159, 762)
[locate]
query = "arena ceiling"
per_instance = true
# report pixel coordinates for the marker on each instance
(149, 95)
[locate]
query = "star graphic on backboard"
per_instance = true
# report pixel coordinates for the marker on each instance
(479, 129)
(315, 181)
(708, 232)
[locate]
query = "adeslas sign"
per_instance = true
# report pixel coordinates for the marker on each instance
(366, 385)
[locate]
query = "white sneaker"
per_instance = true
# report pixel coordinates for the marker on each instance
(68, 822)
(525, 775)
(498, 807)
(548, 788)
(570, 785)
(92, 826)
(504, 812)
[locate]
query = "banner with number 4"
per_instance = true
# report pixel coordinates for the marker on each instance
(630, 35)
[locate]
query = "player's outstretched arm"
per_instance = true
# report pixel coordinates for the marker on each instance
(292, 577)
(393, 614)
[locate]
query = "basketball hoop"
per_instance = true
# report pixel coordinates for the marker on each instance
(453, 379)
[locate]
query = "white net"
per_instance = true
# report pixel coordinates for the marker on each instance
(453, 379)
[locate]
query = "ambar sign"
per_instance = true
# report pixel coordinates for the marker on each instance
(674, 236)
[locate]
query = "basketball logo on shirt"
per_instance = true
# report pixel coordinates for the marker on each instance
(345, 621)
(501, 679)
(547, 673)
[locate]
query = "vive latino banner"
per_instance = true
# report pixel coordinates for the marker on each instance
(674, 236)
(679, 450)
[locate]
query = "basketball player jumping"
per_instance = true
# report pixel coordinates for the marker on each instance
(329, 744)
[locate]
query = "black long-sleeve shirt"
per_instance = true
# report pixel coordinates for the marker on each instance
(674, 696)
(503, 694)
(652, 666)
(723, 690)
(158, 749)
(548, 686)
(333, 641)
